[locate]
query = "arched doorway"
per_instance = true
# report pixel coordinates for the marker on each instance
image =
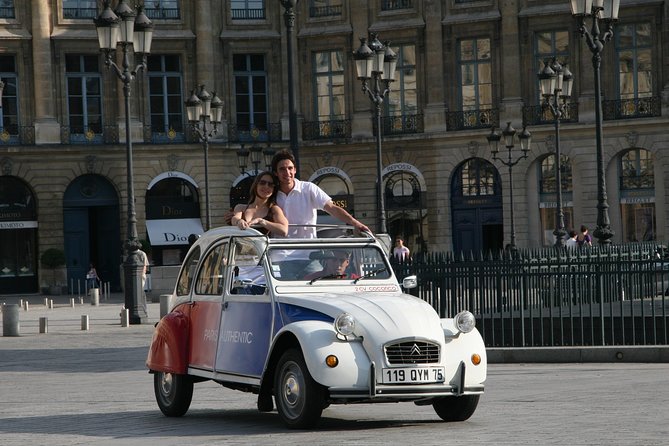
(406, 213)
(476, 207)
(18, 237)
(91, 229)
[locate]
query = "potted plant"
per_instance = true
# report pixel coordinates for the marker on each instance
(53, 259)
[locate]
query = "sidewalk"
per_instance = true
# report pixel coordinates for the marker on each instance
(63, 318)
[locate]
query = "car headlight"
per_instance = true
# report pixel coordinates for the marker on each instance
(465, 321)
(344, 324)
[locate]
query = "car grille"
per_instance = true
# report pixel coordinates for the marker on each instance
(412, 352)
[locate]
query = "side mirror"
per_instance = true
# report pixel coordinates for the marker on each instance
(410, 282)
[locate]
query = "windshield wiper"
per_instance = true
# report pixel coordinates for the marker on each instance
(373, 272)
(329, 276)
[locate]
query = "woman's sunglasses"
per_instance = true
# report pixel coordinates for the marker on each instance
(265, 183)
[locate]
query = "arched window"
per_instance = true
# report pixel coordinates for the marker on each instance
(548, 197)
(637, 195)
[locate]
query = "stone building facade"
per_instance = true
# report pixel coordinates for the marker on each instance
(464, 67)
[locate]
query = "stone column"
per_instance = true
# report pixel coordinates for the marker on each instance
(47, 128)
(511, 108)
(435, 117)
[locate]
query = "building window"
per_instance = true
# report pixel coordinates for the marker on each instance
(247, 9)
(475, 74)
(9, 112)
(548, 197)
(637, 195)
(325, 8)
(390, 5)
(634, 51)
(250, 92)
(166, 98)
(162, 9)
(329, 85)
(549, 45)
(80, 9)
(403, 101)
(84, 101)
(477, 178)
(7, 9)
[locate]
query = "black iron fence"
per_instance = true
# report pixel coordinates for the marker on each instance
(615, 295)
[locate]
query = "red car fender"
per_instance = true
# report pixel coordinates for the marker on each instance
(169, 346)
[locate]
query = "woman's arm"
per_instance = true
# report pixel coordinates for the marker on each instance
(279, 225)
(237, 219)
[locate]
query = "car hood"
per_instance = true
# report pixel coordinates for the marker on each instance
(380, 317)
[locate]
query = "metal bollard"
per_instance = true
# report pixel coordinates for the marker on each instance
(81, 300)
(50, 304)
(72, 302)
(125, 317)
(43, 325)
(26, 305)
(95, 296)
(84, 322)
(46, 302)
(165, 304)
(10, 320)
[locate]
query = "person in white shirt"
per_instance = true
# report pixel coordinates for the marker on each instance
(571, 241)
(300, 201)
(401, 252)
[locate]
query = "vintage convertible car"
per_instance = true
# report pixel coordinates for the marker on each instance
(310, 322)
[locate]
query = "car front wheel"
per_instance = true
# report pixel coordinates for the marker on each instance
(173, 393)
(458, 408)
(299, 399)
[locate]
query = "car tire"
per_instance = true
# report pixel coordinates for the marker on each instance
(457, 408)
(299, 399)
(173, 393)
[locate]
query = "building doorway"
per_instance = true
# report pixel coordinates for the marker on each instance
(91, 225)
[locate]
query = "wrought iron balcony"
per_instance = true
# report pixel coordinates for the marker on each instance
(162, 13)
(108, 134)
(541, 114)
(247, 14)
(631, 108)
(636, 182)
(246, 133)
(80, 13)
(472, 119)
(400, 125)
(325, 11)
(12, 135)
(169, 136)
(331, 130)
(390, 5)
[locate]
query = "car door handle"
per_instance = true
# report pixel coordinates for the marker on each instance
(225, 306)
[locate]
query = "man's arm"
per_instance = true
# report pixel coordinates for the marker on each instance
(341, 214)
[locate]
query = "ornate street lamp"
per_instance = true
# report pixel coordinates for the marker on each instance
(257, 154)
(606, 12)
(127, 27)
(509, 134)
(203, 110)
(376, 61)
(289, 18)
(556, 83)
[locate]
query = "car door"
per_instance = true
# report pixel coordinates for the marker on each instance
(246, 313)
(206, 307)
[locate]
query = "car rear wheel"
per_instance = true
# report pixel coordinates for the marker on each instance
(299, 399)
(458, 408)
(173, 393)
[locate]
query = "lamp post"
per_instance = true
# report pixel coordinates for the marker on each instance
(203, 110)
(289, 17)
(509, 134)
(126, 27)
(376, 61)
(605, 11)
(556, 83)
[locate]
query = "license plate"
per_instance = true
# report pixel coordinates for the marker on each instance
(413, 375)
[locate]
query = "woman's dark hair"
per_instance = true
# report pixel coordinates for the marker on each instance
(584, 228)
(254, 187)
(280, 156)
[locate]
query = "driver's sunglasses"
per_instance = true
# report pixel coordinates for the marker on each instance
(266, 183)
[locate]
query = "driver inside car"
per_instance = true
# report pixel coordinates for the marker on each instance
(335, 263)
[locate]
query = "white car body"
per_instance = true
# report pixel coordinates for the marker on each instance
(242, 319)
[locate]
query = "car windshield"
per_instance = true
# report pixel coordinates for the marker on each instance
(339, 262)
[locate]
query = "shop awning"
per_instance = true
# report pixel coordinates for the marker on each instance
(172, 232)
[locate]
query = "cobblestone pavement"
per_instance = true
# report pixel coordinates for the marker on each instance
(74, 387)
